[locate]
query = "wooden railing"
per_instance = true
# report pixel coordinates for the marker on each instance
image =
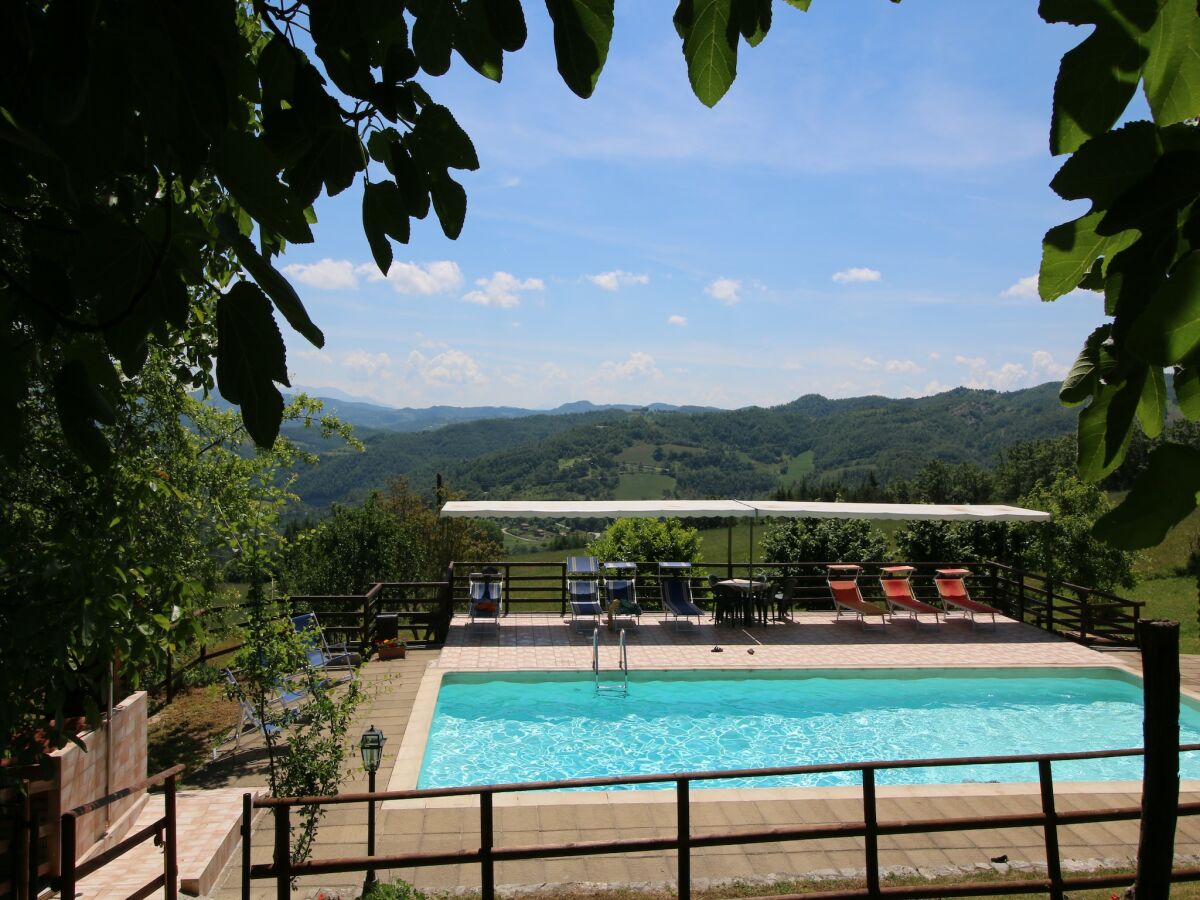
(1072, 611)
(422, 608)
(1080, 613)
(161, 831)
(425, 608)
(26, 836)
(283, 868)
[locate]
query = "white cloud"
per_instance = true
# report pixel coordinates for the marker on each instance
(677, 320)
(857, 274)
(368, 363)
(326, 275)
(511, 181)
(903, 367)
(450, 367)
(616, 279)
(553, 373)
(726, 290)
(312, 355)
(792, 365)
(1046, 367)
(868, 363)
(438, 277)
(1009, 376)
(639, 365)
(935, 355)
(1025, 287)
(935, 387)
(502, 290)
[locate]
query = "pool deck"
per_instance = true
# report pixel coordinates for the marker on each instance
(545, 642)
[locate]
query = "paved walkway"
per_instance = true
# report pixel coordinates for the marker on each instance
(545, 642)
(812, 640)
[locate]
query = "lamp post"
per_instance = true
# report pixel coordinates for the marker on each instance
(370, 745)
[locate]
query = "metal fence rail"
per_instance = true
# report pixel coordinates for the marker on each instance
(283, 869)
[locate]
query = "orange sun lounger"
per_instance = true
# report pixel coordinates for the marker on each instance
(954, 594)
(897, 590)
(843, 585)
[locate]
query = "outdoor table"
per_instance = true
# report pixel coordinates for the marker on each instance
(748, 589)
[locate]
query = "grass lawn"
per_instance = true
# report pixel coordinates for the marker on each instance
(1170, 557)
(186, 730)
(798, 467)
(643, 486)
(1171, 598)
(1186, 890)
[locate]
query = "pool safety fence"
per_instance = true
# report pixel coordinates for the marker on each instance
(423, 610)
(1083, 614)
(283, 869)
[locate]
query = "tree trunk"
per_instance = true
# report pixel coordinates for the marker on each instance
(1159, 641)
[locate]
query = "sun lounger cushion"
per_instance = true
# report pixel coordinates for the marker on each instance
(898, 591)
(845, 593)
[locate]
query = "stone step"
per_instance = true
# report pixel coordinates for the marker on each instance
(207, 826)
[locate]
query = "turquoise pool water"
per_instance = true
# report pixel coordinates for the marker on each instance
(490, 728)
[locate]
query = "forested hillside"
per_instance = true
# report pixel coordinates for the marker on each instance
(650, 454)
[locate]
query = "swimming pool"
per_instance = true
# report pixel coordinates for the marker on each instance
(498, 727)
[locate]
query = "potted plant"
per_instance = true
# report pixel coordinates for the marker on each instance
(391, 648)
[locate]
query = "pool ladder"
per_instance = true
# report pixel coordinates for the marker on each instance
(622, 664)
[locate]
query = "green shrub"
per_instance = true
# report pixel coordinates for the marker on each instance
(647, 540)
(824, 540)
(393, 890)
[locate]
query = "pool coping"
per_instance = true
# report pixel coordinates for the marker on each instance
(407, 769)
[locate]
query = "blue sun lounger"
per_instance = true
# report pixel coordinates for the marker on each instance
(674, 578)
(485, 590)
(583, 591)
(620, 585)
(320, 654)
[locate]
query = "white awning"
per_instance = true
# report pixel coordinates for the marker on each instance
(655, 509)
(944, 512)
(594, 509)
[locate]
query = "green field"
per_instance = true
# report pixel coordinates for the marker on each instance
(799, 466)
(643, 454)
(643, 486)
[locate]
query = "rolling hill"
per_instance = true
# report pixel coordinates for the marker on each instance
(649, 453)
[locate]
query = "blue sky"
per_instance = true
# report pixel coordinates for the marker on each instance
(862, 213)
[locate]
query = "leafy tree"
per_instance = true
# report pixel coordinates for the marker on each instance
(647, 540)
(1066, 546)
(306, 737)
(936, 541)
(1138, 245)
(355, 548)
(102, 573)
(146, 144)
(824, 540)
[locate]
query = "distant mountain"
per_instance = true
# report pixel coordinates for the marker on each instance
(586, 451)
(366, 414)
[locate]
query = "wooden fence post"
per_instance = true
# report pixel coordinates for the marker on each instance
(871, 840)
(66, 857)
(487, 864)
(283, 853)
(170, 843)
(247, 837)
(683, 821)
(1053, 862)
(1160, 779)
